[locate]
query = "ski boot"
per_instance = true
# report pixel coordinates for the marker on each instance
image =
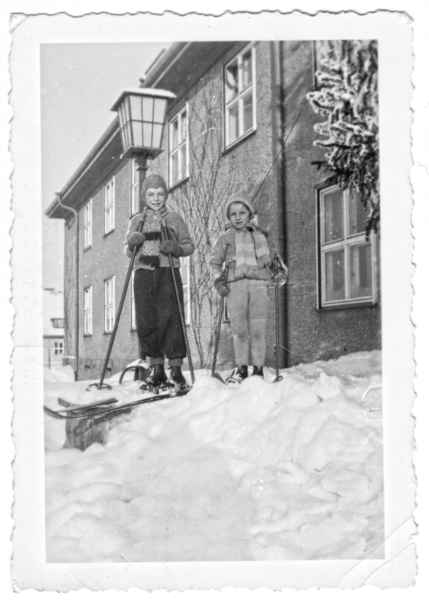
(258, 371)
(156, 380)
(176, 381)
(238, 374)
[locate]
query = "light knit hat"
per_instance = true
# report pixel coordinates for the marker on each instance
(243, 197)
(155, 182)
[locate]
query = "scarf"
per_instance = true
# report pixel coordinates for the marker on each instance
(152, 232)
(251, 252)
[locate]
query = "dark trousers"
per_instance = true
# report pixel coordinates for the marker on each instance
(157, 314)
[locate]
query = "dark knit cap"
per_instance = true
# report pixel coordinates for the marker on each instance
(243, 197)
(155, 182)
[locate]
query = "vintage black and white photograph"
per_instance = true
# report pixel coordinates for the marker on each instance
(213, 291)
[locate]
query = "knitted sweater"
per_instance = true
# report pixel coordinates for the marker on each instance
(224, 251)
(176, 229)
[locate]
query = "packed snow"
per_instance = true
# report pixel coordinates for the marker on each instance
(261, 471)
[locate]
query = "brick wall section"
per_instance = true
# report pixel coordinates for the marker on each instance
(312, 334)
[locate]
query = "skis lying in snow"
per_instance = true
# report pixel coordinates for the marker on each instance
(105, 407)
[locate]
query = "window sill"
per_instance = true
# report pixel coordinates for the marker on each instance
(176, 184)
(348, 306)
(238, 141)
(87, 335)
(87, 248)
(108, 233)
(107, 332)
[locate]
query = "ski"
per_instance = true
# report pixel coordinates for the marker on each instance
(96, 412)
(93, 404)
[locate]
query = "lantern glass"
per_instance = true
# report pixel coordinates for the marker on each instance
(142, 113)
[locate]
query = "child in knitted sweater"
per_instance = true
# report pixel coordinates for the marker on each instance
(157, 313)
(245, 247)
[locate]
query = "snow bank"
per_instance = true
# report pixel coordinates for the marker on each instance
(264, 471)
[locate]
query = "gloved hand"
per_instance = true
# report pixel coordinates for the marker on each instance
(221, 288)
(135, 239)
(171, 247)
(280, 279)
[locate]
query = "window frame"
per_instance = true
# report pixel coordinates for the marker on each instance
(59, 348)
(238, 99)
(87, 225)
(135, 196)
(347, 242)
(185, 264)
(172, 152)
(109, 218)
(87, 312)
(108, 305)
(133, 306)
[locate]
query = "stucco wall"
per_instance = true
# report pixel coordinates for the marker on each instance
(312, 334)
(244, 165)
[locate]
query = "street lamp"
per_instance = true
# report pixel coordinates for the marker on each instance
(142, 113)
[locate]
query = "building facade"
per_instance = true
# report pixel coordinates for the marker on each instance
(240, 120)
(53, 328)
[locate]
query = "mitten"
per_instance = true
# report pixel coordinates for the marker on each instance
(135, 239)
(280, 279)
(221, 288)
(171, 247)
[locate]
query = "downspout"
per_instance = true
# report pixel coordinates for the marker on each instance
(278, 136)
(76, 216)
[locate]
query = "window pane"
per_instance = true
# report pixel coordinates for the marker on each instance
(360, 270)
(357, 214)
(233, 123)
(333, 226)
(183, 126)
(334, 273)
(231, 81)
(182, 151)
(174, 134)
(247, 68)
(247, 112)
(174, 167)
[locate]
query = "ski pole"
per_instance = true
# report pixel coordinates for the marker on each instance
(179, 306)
(219, 324)
(101, 385)
(277, 311)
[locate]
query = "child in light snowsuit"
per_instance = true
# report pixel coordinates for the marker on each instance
(157, 314)
(245, 246)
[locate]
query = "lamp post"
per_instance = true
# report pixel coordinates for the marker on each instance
(142, 113)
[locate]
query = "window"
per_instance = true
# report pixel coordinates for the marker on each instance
(186, 278)
(58, 348)
(87, 311)
(178, 147)
(239, 91)
(58, 323)
(133, 305)
(109, 206)
(135, 199)
(346, 258)
(109, 304)
(87, 225)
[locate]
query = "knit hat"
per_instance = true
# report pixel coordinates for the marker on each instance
(155, 182)
(243, 197)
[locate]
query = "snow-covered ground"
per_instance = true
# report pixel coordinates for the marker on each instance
(264, 471)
